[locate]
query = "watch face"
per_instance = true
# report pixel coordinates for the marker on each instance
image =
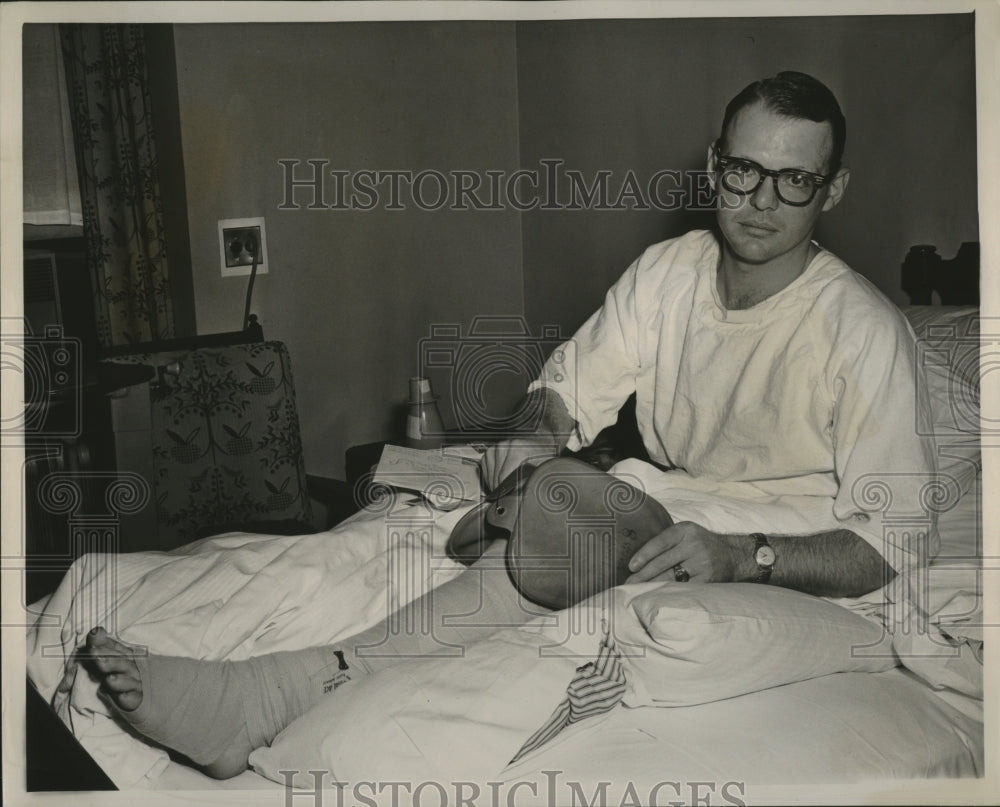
(765, 556)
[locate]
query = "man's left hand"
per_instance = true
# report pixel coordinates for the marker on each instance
(706, 556)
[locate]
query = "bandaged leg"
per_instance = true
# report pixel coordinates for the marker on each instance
(217, 712)
(214, 712)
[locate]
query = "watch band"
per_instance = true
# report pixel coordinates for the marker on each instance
(764, 556)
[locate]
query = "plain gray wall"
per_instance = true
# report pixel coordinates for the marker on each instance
(353, 293)
(350, 293)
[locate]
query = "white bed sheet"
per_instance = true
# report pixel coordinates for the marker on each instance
(239, 595)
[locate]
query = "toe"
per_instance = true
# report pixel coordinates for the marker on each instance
(99, 641)
(129, 701)
(113, 664)
(120, 682)
(124, 690)
(107, 654)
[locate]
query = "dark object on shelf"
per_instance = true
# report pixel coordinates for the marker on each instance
(956, 280)
(253, 330)
(334, 495)
(359, 467)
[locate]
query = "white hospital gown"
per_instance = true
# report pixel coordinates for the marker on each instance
(795, 416)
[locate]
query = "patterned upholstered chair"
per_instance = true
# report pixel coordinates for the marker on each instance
(215, 433)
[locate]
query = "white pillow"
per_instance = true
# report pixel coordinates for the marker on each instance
(709, 642)
(439, 718)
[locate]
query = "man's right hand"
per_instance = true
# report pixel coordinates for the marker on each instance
(503, 458)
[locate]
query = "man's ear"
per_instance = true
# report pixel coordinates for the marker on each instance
(710, 165)
(836, 189)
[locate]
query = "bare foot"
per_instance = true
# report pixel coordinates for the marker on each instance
(213, 712)
(188, 717)
(115, 667)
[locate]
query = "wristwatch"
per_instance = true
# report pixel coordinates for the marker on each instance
(763, 554)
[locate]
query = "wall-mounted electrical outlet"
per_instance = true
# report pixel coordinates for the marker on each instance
(240, 240)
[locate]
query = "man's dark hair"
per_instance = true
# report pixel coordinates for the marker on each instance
(794, 95)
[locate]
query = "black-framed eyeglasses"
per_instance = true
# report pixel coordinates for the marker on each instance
(792, 185)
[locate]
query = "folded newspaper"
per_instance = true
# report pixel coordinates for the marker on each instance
(446, 477)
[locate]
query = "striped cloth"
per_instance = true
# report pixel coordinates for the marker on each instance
(596, 688)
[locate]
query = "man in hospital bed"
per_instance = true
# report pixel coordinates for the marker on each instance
(771, 382)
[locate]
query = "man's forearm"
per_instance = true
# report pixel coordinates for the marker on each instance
(838, 563)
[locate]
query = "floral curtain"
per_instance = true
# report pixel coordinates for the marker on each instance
(119, 181)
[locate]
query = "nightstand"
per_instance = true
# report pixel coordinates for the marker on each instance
(359, 467)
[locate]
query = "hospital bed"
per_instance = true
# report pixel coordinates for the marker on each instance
(885, 714)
